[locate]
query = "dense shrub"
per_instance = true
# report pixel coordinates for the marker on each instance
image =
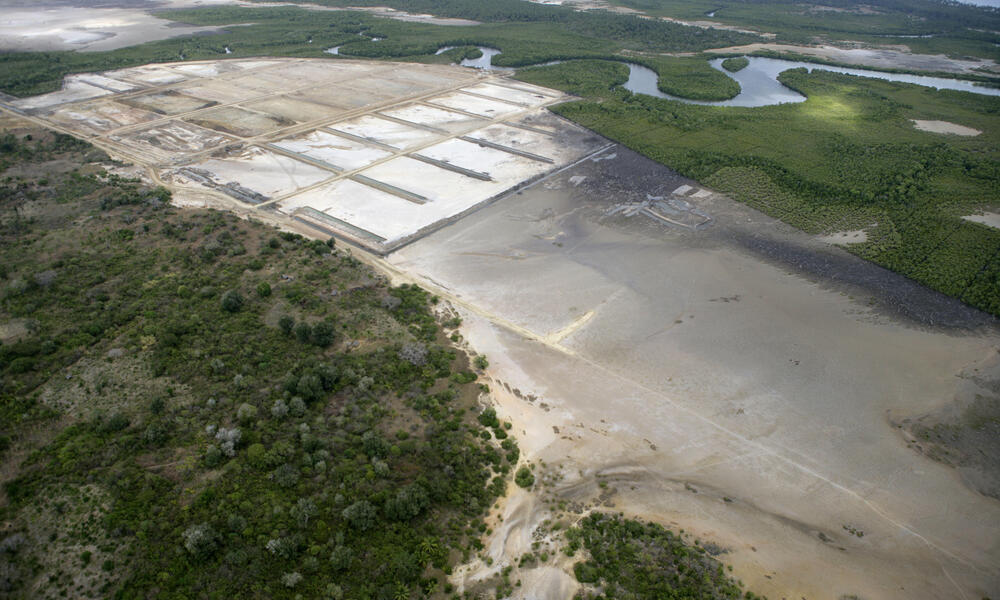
(524, 477)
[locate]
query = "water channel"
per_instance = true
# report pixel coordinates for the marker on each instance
(759, 85)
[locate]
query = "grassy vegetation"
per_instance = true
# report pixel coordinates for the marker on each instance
(197, 406)
(626, 558)
(847, 158)
(736, 63)
(954, 29)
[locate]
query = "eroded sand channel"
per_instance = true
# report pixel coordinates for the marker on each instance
(723, 379)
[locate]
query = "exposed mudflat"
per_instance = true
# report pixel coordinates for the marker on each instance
(965, 435)
(79, 25)
(987, 218)
(739, 379)
(945, 127)
(86, 25)
(879, 58)
(856, 236)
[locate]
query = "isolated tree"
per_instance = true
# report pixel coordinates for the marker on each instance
(414, 353)
(323, 334)
(291, 580)
(524, 477)
(303, 332)
(361, 515)
(303, 510)
(246, 412)
(279, 410)
(297, 407)
(232, 301)
(200, 540)
(286, 323)
(228, 440)
(309, 387)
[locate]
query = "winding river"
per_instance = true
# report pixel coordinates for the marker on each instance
(483, 62)
(759, 85)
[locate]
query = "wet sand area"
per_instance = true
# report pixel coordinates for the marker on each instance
(721, 372)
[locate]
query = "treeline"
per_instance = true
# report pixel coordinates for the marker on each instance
(209, 407)
(951, 28)
(634, 31)
(627, 558)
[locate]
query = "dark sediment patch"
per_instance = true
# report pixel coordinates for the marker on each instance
(891, 293)
(964, 435)
(631, 177)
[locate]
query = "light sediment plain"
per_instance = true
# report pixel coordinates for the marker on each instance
(47, 25)
(877, 58)
(740, 380)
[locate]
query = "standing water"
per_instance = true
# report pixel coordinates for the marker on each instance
(484, 62)
(760, 86)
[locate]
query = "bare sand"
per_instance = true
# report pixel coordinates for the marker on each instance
(50, 25)
(857, 236)
(986, 218)
(380, 11)
(879, 58)
(718, 389)
(582, 5)
(45, 27)
(945, 127)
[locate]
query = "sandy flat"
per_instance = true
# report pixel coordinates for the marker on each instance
(718, 391)
(856, 236)
(986, 218)
(89, 29)
(945, 127)
(884, 58)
